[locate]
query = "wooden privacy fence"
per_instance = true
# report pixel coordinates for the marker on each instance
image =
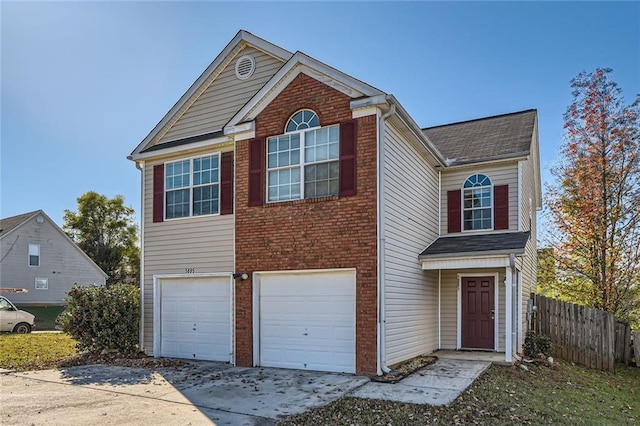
(585, 336)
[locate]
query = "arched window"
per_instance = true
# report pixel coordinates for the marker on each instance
(301, 120)
(477, 203)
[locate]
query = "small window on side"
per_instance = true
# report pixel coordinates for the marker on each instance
(34, 254)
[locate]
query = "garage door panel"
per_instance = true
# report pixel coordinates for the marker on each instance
(307, 320)
(195, 317)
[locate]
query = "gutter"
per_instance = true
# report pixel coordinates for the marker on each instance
(140, 166)
(381, 241)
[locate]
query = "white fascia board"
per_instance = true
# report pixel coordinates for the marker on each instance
(465, 262)
(301, 63)
(498, 159)
(404, 116)
(239, 128)
(242, 37)
(180, 148)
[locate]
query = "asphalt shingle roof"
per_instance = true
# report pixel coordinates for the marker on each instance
(486, 138)
(9, 223)
(502, 242)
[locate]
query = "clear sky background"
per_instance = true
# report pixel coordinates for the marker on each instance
(83, 83)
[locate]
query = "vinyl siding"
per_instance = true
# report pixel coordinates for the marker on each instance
(203, 243)
(449, 308)
(60, 262)
(499, 175)
(410, 222)
(224, 97)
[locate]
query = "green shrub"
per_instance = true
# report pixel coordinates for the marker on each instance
(535, 344)
(103, 318)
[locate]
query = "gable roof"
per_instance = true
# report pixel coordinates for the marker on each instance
(11, 224)
(301, 63)
(488, 138)
(502, 243)
(241, 39)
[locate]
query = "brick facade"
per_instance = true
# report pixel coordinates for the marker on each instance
(327, 232)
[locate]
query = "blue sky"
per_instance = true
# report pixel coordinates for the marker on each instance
(83, 83)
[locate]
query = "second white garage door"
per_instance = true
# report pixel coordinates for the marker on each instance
(307, 320)
(195, 318)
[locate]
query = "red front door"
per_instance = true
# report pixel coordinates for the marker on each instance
(478, 312)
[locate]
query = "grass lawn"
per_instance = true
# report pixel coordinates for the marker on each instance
(564, 394)
(35, 351)
(45, 315)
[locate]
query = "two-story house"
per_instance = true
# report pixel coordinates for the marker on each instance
(36, 255)
(294, 216)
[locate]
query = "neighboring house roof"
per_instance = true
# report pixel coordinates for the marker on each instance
(13, 223)
(10, 223)
(511, 242)
(482, 139)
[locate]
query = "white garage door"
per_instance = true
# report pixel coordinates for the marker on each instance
(195, 318)
(307, 321)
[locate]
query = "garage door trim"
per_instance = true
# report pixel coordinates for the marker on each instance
(157, 299)
(256, 300)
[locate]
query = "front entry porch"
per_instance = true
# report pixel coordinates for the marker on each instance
(493, 357)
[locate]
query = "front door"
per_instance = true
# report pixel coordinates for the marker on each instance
(478, 305)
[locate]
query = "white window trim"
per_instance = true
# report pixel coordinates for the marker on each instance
(191, 186)
(45, 280)
(302, 163)
(29, 256)
(462, 209)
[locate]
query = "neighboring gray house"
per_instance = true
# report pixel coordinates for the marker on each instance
(37, 255)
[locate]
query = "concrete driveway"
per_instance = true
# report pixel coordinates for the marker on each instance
(197, 394)
(205, 393)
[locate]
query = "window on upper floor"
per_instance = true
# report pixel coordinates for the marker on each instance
(192, 187)
(304, 162)
(477, 203)
(34, 254)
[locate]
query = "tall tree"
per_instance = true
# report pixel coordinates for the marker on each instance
(595, 201)
(105, 230)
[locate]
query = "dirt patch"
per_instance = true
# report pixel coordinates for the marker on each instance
(403, 369)
(139, 360)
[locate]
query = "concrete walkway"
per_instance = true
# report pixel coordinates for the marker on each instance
(437, 384)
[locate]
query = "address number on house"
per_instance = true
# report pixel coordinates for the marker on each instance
(189, 270)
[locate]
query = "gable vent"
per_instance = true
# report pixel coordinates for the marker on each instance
(245, 66)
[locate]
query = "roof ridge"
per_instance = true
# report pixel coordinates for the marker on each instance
(481, 118)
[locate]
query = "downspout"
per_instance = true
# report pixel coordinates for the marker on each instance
(140, 166)
(381, 241)
(439, 308)
(514, 302)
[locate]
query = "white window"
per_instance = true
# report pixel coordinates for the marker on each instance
(476, 203)
(304, 162)
(42, 283)
(192, 187)
(34, 254)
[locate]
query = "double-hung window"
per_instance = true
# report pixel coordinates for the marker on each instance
(476, 202)
(34, 254)
(304, 162)
(192, 187)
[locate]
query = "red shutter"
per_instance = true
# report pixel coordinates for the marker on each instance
(348, 138)
(454, 219)
(158, 193)
(256, 172)
(501, 207)
(226, 183)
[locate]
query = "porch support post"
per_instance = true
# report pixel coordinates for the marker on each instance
(508, 315)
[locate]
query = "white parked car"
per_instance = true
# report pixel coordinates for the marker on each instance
(13, 319)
